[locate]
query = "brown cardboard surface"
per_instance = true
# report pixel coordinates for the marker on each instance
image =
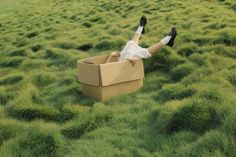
(88, 73)
(104, 93)
(95, 60)
(123, 71)
(102, 80)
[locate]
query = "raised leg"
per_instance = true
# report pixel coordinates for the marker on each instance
(168, 40)
(140, 30)
(136, 38)
(155, 48)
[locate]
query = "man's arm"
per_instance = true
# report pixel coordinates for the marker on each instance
(113, 54)
(133, 60)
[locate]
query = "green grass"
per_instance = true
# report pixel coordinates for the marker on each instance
(185, 108)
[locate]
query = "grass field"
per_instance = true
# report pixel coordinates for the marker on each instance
(187, 107)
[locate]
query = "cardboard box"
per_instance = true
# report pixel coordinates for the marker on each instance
(102, 80)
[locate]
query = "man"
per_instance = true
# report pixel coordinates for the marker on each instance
(132, 51)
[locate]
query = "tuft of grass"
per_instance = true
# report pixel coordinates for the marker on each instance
(198, 75)
(77, 110)
(11, 79)
(211, 93)
(96, 19)
(202, 40)
(103, 45)
(39, 139)
(224, 37)
(213, 143)
(65, 45)
(32, 64)
(33, 112)
(18, 52)
(68, 94)
(99, 116)
(232, 78)
(188, 49)
(21, 42)
(43, 79)
(58, 58)
(109, 45)
(36, 48)
(9, 129)
(229, 125)
(224, 51)
(5, 97)
(165, 60)
(197, 116)
(216, 26)
(174, 91)
(201, 60)
(87, 24)
(85, 47)
(32, 34)
(182, 71)
(234, 7)
(11, 62)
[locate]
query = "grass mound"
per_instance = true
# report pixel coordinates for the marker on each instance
(85, 47)
(229, 125)
(216, 26)
(68, 94)
(165, 60)
(109, 45)
(36, 48)
(201, 60)
(9, 129)
(34, 112)
(32, 34)
(39, 139)
(232, 78)
(198, 75)
(182, 70)
(174, 91)
(65, 45)
(5, 97)
(43, 79)
(224, 51)
(11, 79)
(188, 49)
(11, 62)
(54, 54)
(32, 64)
(87, 24)
(58, 58)
(213, 143)
(224, 37)
(96, 118)
(195, 117)
(18, 52)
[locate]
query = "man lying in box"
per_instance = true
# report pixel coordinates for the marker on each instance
(132, 51)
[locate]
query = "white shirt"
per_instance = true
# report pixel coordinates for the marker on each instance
(133, 51)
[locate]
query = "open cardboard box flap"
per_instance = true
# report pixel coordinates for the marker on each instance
(92, 71)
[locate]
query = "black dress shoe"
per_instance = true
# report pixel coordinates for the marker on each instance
(173, 34)
(143, 22)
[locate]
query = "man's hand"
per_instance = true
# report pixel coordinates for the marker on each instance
(113, 54)
(116, 54)
(133, 60)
